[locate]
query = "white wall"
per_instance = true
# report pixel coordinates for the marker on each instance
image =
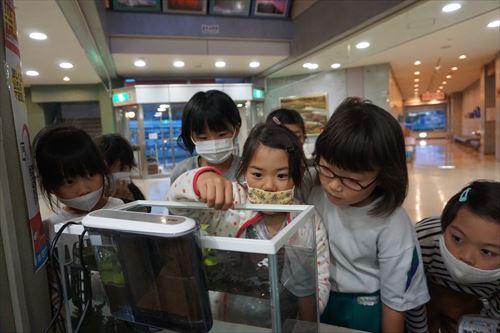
(470, 100)
(369, 82)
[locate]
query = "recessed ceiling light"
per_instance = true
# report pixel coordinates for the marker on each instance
(454, 68)
(416, 89)
(335, 66)
(139, 63)
(66, 78)
(362, 45)
(220, 64)
(416, 80)
(441, 87)
(451, 7)
(38, 36)
(444, 82)
(164, 106)
(448, 76)
(494, 24)
(417, 73)
(254, 64)
(32, 73)
(311, 66)
(416, 85)
(438, 91)
(417, 62)
(179, 64)
(463, 56)
(66, 65)
(239, 105)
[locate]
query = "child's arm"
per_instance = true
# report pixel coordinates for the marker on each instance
(392, 321)
(213, 189)
(323, 262)
(185, 189)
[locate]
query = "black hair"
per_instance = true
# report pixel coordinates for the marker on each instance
(65, 152)
(361, 137)
(481, 197)
(278, 137)
(214, 110)
(287, 116)
(116, 148)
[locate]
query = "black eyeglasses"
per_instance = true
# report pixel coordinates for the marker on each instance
(346, 181)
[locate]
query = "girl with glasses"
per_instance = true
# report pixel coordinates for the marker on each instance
(210, 124)
(376, 270)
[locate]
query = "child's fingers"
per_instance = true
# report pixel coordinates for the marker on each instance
(229, 199)
(210, 193)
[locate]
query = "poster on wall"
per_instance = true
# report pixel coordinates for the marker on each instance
(230, 7)
(16, 91)
(272, 8)
(312, 108)
(198, 7)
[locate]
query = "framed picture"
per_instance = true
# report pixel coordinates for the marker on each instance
(271, 8)
(230, 7)
(137, 6)
(312, 108)
(198, 7)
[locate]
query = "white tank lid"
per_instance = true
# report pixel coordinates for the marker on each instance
(139, 223)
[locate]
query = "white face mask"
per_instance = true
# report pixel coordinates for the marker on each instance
(462, 272)
(215, 151)
(85, 202)
(122, 176)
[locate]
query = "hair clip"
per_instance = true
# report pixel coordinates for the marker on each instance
(463, 196)
(276, 120)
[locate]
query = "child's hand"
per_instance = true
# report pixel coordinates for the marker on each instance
(216, 191)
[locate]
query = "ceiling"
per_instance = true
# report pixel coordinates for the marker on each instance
(422, 32)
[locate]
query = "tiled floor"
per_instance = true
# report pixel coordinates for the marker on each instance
(430, 185)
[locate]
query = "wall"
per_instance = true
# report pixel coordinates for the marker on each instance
(470, 100)
(370, 82)
(36, 120)
(395, 97)
(69, 93)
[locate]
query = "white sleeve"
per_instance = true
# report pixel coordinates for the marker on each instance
(402, 279)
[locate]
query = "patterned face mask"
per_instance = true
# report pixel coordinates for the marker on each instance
(258, 196)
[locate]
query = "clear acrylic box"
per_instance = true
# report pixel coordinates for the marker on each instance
(190, 280)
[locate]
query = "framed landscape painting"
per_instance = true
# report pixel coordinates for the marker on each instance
(137, 6)
(313, 110)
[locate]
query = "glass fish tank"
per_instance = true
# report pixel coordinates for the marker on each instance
(177, 268)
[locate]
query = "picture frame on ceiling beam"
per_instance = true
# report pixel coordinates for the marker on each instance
(230, 7)
(151, 6)
(271, 8)
(196, 7)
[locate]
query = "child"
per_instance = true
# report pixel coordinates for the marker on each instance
(291, 119)
(119, 157)
(71, 168)
(272, 164)
(461, 254)
(210, 123)
(376, 271)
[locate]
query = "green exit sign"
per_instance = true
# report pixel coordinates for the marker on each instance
(121, 97)
(258, 93)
